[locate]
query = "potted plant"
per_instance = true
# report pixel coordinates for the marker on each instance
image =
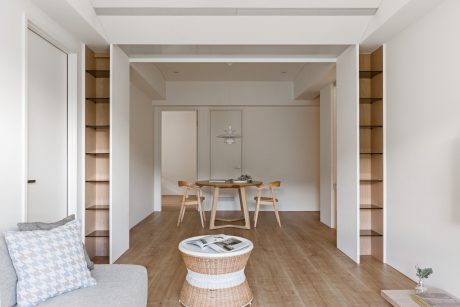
(422, 274)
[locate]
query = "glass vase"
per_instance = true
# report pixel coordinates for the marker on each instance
(420, 288)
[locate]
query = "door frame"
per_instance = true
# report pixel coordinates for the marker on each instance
(157, 149)
(161, 111)
(37, 26)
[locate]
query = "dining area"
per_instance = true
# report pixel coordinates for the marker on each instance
(194, 198)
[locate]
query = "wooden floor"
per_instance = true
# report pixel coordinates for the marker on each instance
(297, 265)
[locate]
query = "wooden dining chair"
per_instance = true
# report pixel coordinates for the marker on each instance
(190, 200)
(267, 200)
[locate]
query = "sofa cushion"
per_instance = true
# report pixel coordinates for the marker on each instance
(117, 285)
(8, 278)
(48, 226)
(48, 262)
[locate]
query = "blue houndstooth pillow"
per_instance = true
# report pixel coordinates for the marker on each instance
(48, 262)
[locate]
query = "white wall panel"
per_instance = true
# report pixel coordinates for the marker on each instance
(423, 148)
(119, 150)
(348, 152)
(327, 157)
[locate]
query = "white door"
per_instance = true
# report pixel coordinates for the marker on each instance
(225, 158)
(119, 150)
(178, 150)
(347, 92)
(47, 130)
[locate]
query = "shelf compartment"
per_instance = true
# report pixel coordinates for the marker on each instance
(370, 126)
(97, 167)
(369, 73)
(96, 73)
(370, 207)
(98, 100)
(98, 207)
(97, 140)
(97, 193)
(369, 233)
(371, 153)
(371, 180)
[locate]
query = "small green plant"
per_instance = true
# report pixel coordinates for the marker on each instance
(423, 273)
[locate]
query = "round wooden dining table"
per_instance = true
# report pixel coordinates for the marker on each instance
(241, 187)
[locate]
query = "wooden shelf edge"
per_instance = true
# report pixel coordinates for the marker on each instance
(99, 73)
(97, 180)
(369, 74)
(370, 180)
(98, 207)
(98, 99)
(369, 233)
(100, 259)
(98, 126)
(98, 234)
(370, 207)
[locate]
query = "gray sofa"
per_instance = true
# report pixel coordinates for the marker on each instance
(117, 285)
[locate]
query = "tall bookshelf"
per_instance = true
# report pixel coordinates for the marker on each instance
(97, 155)
(371, 153)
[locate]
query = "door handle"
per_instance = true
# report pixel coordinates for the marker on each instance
(31, 181)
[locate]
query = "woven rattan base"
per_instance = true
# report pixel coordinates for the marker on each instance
(238, 296)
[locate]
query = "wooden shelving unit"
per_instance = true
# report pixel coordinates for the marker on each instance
(97, 160)
(371, 153)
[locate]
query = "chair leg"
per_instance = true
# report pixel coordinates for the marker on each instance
(256, 214)
(200, 208)
(179, 219)
(276, 213)
(183, 214)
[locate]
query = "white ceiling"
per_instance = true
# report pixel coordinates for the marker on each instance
(232, 71)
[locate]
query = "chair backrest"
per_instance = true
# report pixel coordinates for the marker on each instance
(275, 184)
(183, 183)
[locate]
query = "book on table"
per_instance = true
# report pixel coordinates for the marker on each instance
(436, 298)
(219, 243)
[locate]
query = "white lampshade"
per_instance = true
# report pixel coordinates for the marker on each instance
(229, 136)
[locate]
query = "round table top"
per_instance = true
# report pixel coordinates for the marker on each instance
(234, 184)
(208, 252)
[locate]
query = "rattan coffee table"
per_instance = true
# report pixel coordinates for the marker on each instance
(215, 279)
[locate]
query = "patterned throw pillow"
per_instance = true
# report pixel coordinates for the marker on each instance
(48, 262)
(48, 226)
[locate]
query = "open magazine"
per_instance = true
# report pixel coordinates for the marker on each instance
(219, 243)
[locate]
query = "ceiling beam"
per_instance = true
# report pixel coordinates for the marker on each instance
(310, 4)
(231, 59)
(210, 11)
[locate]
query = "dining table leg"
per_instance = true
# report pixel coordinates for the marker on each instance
(244, 207)
(215, 199)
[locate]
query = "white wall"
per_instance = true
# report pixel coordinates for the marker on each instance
(327, 148)
(178, 150)
(140, 156)
(280, 135)
(13, 16)
(423, 147)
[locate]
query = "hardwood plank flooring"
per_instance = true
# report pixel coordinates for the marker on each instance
(296, 265)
